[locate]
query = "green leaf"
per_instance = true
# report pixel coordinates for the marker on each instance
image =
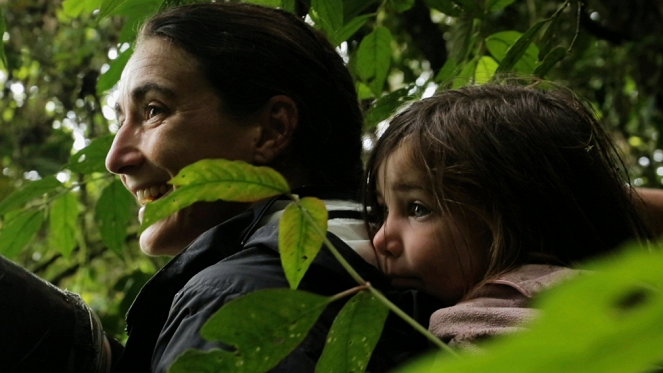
(354, 334)
(113, 214)
(555, 55)
(3, 29)
(91, 158)
(466, 75)
(448, 72)
(289, 5)
(299, 239)
(18, 232)
(374, 58)
(74, 8)
(386, 106)
(350, 28)
(518, 49)
(462, 38)
(485, 70)
(107, 7)
(401, 6)
(447, 7)
(269, 3)
(29, 192)
(494, 5)
(213, 179)
(498, 45)
(608, 320)
(327, 15)
(265, 326)
(468, 5)
(108, 79)
(63, 223)
(212, 361)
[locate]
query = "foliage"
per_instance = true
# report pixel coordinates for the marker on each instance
(65, 218)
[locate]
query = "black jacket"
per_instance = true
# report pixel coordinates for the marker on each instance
(236, 258)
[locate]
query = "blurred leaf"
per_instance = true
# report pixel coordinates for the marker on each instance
(401, 6)
(213, 179)
(299, 240)
(3, 29)
(29, 192)
(91, 158)
(462, 38)
(107, 7)
(18, 232)
(499, 44)
(74, 8)
(350, 28)
(485, 70)
(374, 58)
(269, 3)
(63, 223)
(468, 5)
(113, 214)
(264, 326)
(555, 55)
(608, 320)
(447, 7)
(354, 334)
(448, 72)
(327, 15)
(211, 361)
(518, 49)
(494, 5)
(466, 75)
(385, 107)
(108, 79)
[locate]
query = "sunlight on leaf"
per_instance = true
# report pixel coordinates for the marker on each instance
(74, 8)
(91, 158)
(113, 214)
(606, 321)
(108, 6)
(299, 240)
(18, 232)
(29, 192)
(485, 70)
(63, 223)
(214, 179)
(354, 334)
(265, 326)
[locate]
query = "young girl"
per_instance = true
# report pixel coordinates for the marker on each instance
(485, 195)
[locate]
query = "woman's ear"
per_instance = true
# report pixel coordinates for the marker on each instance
(278, 121)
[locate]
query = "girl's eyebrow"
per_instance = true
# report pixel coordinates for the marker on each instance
(139, 92)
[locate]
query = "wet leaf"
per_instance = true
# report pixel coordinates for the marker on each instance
(63, 223)
(299, 240)
(353, 336)
(28, 192)
(113, 214)
(19, 231)
(91, 158)
(214, 179)
(264, 326)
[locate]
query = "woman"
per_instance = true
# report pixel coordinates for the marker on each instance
(239, 82)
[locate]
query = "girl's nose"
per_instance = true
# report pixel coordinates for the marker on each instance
(124, 155)
(386, 241)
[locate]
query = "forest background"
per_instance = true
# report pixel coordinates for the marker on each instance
(73, 224)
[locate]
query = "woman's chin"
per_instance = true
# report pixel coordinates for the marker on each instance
(158, 239)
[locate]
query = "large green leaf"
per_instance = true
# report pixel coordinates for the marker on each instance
(113, 214)
(448, 72)
(385, 106)
(213, 179)
(107, 7)
(63, 223)
(606, 321)
(499, 44)
(466, 75)
(354, 334)
(212, 361)
(327, 15)
(554, 56)
(74, 8)
(350, 28)
(18, 232)
(29, 192)
(91, 158)
(108, 79)
(518, 49)
(264, 326)
(374, 58)
(300, 240)
(485, 70)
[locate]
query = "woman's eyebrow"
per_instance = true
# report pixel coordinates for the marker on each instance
(139, 92)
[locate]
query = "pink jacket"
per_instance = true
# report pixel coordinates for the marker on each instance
(498, 306)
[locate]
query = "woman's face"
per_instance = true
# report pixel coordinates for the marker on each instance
(169, 118)
(418, 246)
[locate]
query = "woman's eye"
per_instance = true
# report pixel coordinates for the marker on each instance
(151, 111)
(417, 210)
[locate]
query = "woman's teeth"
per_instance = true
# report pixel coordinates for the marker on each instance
(150, 194)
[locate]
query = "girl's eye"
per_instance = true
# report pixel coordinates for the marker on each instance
(418, 210)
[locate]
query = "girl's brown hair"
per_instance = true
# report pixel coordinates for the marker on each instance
(533, 165)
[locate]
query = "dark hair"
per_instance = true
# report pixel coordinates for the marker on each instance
(534, 166)
(251, 53)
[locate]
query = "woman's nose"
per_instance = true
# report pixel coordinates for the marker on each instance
(124, 154)
(386, 241)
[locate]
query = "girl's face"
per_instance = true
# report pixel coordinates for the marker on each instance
(418, 246)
